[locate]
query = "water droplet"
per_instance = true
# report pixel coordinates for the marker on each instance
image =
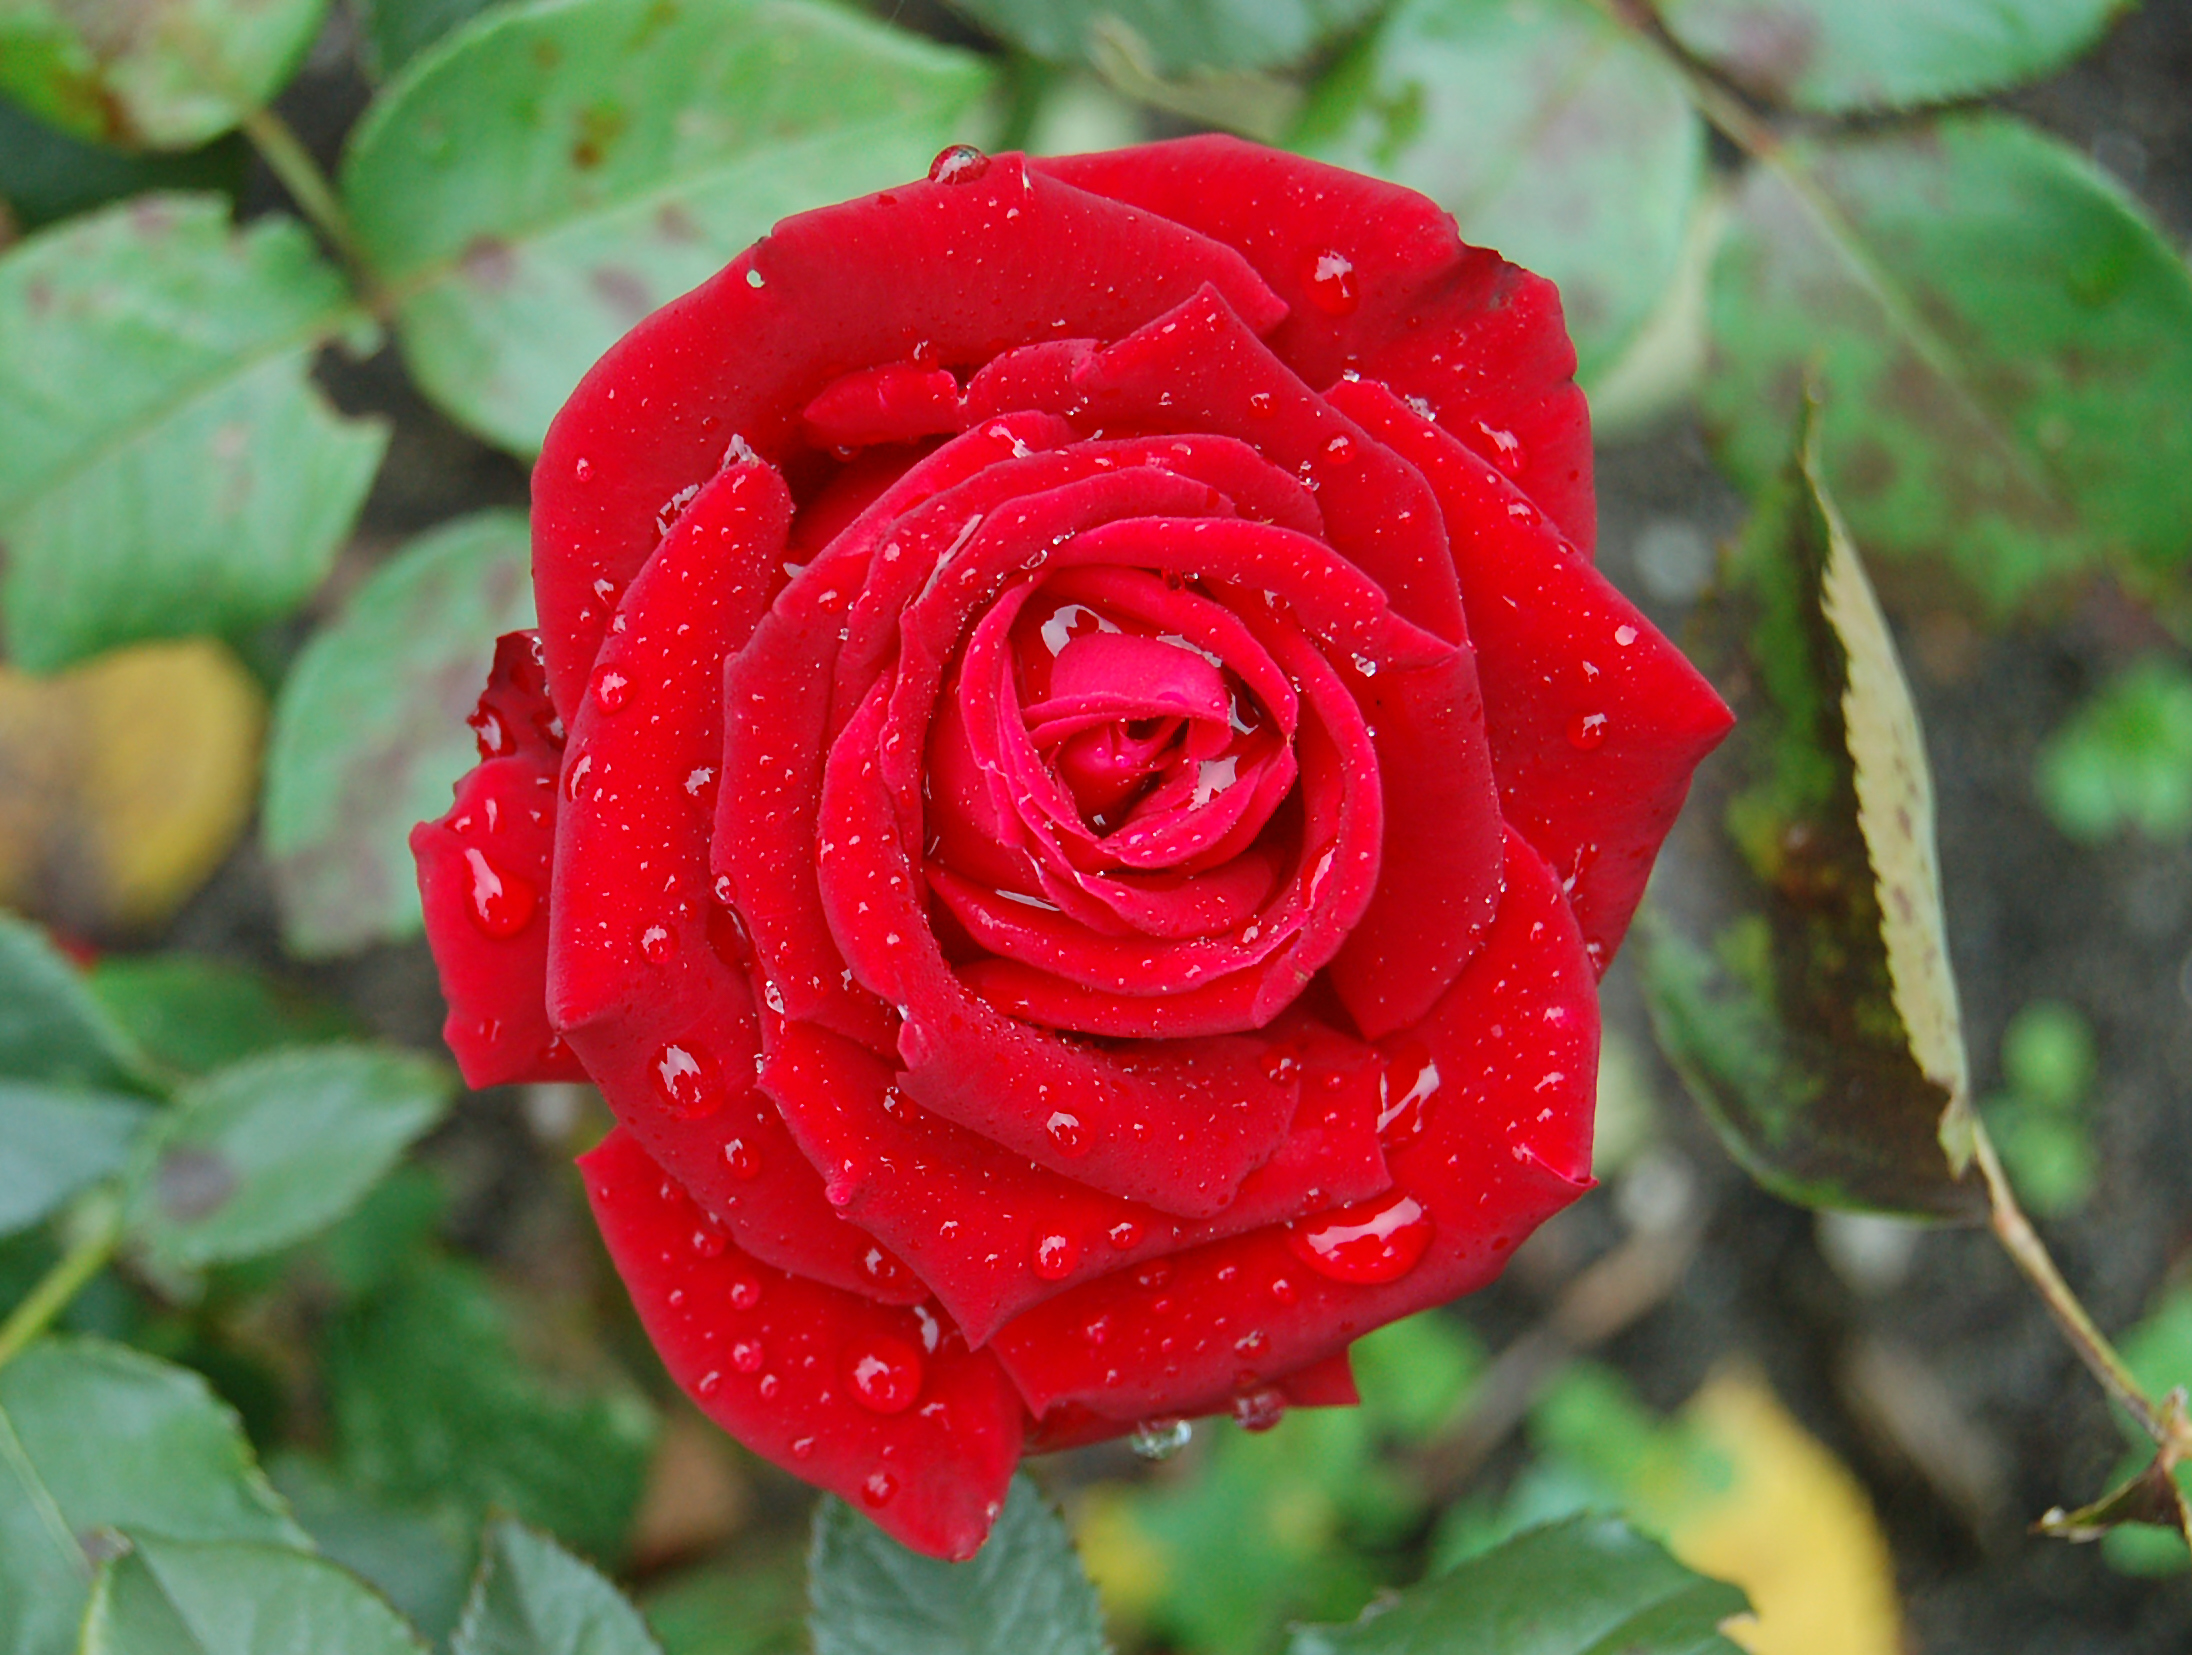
(574, 779)
(1340, 450)
(746, 1356)
(803, 1448)
(1405, 1090)
(1253, 1343)
(885, 1374)
(611, 689)
(492, 735)
(1282, 1066)
(745, 1293)
(1506, 448)
(1260, 1409)
(743, 1160)
(657, 944)
(878, 1490)
(1587, 732)
(1624, 636)
(686, 1080)
(709, 1241)
(1126, 1235)
(710, 1383)
(1261, 405)
(1373, 1241)
(768, 1387)
(502, 903)
(1065, 1132)
(1161, 1438)
(1055, 1257)
(960, 164)
(754, 278)
(1330, 278)
(722, 889)
(1284, 1291)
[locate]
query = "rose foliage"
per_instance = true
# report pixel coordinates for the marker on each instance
(1072, 791)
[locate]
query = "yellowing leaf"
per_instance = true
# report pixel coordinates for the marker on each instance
(128, 780)
(1793, 1529)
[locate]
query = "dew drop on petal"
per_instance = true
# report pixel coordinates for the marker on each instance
(611, 690)
(1281, 1066)
(1373, 1241)
(885, 1374)
(1405, 1090)
(1065, 1132)
(803, 1448)
(743, 1160)
(1055, 1257)
(746, 1355)
(582, 469)
(710, 1383)
(574, 779)
(502, 903)
(1624, 636)
(768, 1387)
(1260, 1409)
(1126, 1235)
(878, 1490)
(657, 944)
(745, 1293)
(1161, 1438)
(960, 164)
(1587, 732)
(1330, 279)
(1261, 405)
(686, 1079)
(1284, 1291)
(709, 1241)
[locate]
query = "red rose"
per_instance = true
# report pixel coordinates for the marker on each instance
(1088, 778)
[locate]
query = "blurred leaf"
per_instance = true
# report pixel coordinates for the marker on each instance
(549, 174)
(2049, 1156)
(194, 1013)
(387, 1234)
(51, 1025)
(369, 733)
(1022, 1594)
(1415, 1373)
(2047, 1053)
(754, 1609)
(1835, 55)
(46, 175)
(430, 1402)
(137, 772)
(393, 32)
(96, 1436)
(227, 1597)
(165, 465)
(1178, 35)
(1550, 132)
(532, 1597)
(276, 1147)
(2125, 758)
(2003, 340)
(1586, 1586)
(54, 1143)
(1803, 989)
(418, 1560)
(1660, 1472)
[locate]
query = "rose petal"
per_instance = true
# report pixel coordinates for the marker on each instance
(894, 403)
(773, 1360)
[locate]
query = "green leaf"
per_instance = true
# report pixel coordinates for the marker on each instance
(418, 1560)
(532, 1597)
(430, 1403)
(1414, 1374)
(1022, 1594)
(1586, 1586)
(393, 32)
(277, 1147)
(166, 467)
(1177, 36)
(46, 175)
(51, 1026)
(174, 1597)
(163, 74)
(369, 733)
(54, 1143)
(1550, 132)
(1839, 55)
(193, 1013)
(2124, 759)
(544, 177)
(755, 1609)
(94, 1436)
(1803, 989)
(2048, 1055)
(2003, 341)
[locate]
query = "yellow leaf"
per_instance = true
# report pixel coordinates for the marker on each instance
(126, 781)
(1793, 1528)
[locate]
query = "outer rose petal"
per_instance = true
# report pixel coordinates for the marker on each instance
(771, 1358)
(1505, 1144)
(1415, 307)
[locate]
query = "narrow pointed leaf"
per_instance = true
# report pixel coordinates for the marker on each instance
(1796, 965)
(532, 1597)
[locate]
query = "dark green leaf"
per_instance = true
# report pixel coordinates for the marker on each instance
(369, 733)
(550, 173)
(94, 1436)
(396, 31)
(418, 1560)
(1549, 131)
(1586, 1586)
(51, 1025)
(166, 74)
(1794, 962)
(431, 1403)
(2125, 758)
(2004, 344)
(532, 1597)
(178, 1597)
(1885, 54)
(1177, 36)
(54, 1143)
(756, 1609)
(45, 174)
(166, 467)
(277, 1147)
(1023, 1593)
(192, 1013)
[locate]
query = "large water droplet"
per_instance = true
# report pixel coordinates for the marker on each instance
(1373, 1241)
(611, 689)
(1587, 732)
(1160, 1439)
(885, 1374)
(1055, 1257)
(657, 944)
(1405, 1090)
(686, 1080)
(745, 1293)
(574, 778)
(1330, 279)
(502, 903)
(1065, 1131)
(1506, 448)
(960, 164)
(1260, 1409)
(1126, 1235)
(490, 733)
(746, 1355)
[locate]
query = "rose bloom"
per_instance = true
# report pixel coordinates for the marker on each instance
(1072, 792)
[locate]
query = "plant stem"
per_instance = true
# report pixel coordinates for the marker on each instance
(288, 159)
(87, 1255)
